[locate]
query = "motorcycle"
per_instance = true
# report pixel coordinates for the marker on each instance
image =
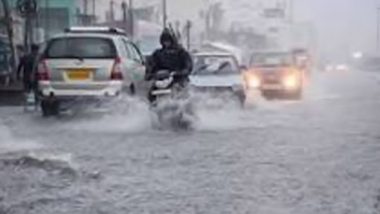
(171, 102)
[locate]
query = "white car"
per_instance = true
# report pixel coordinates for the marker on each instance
(217, 72)
(88, 62)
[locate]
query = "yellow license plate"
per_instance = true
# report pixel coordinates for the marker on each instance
(79, 74)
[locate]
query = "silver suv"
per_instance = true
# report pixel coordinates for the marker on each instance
(87, 62)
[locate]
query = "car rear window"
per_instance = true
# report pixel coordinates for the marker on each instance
(215, 65)
(81, 47)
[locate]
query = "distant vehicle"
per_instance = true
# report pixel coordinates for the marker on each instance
(336, 68)
(303, 61)
(88, 62)
(369, 64)
(217, 72)
(275, 74)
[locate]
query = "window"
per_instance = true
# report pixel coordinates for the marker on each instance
(134, 54)
(124, 50)
(212, 65)
(82, 47)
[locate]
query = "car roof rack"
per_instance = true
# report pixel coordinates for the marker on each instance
(102, 30)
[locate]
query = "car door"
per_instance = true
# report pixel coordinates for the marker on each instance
(127, 62)
(137, 68)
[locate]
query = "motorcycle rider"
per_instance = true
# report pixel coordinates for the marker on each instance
(173, 57)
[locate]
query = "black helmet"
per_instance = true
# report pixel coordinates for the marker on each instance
(167, 36)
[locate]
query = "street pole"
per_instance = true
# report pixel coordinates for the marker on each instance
(188, 34)
(125, 19)
(93, 8)
(377, 29)
(47, 18)
(131, 19)
(164, 13)
(112, 12)
(85, 7)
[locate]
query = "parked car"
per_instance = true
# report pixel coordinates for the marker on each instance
(87, 62)
(275, 74)
(217, 72)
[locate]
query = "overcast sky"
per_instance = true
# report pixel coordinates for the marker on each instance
(341, 24)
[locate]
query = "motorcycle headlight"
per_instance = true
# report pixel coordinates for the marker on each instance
(163, 83)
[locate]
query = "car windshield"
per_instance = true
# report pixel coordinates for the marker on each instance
(271, 59)
(215, 65)
(81, 47)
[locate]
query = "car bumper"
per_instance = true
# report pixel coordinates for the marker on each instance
(108, 89)
(277, 87)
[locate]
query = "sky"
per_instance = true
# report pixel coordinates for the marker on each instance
(342, 25)
(347, 25)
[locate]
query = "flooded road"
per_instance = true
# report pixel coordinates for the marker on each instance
(318, 155)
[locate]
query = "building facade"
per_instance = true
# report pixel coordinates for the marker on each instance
(53, 17)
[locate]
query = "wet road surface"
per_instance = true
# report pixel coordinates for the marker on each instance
(318, 155)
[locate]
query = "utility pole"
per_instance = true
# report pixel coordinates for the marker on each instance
(29, 29)
(47, 19)
(93, 8)
(188, 34)
(112, 12)
(125, 19)
(131, 20)
(85, 7)
(164, 13)
(378, 29)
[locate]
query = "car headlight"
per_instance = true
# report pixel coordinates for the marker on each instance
(291, 81)
(329, 68)
(253, 81)
(342, 67)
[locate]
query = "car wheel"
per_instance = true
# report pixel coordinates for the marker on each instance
(242, 97)
(296, 95)
(50, 107)
(45, 109)
(132, 89)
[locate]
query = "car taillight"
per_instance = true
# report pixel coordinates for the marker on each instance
(117, 73)
(43, 71)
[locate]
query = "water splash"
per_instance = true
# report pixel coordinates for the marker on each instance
(9, 143)
(127, 114)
